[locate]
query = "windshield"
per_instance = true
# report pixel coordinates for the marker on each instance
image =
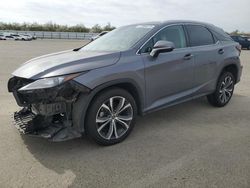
(119, 39)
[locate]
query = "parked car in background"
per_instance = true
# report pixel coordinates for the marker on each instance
(99, 35)
(9, 37)
(34, 37)
(243, 41)
(28, 37)
(16, 36)
(100, 88)
(12, 36)
(2, 37)
(20, 37)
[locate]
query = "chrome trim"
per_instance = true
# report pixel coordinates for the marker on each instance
(179, 24)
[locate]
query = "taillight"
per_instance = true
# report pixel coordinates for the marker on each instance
(238, 47)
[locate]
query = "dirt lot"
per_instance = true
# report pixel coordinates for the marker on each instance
(189, 145)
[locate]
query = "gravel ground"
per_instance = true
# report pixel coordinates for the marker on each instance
(188, 145)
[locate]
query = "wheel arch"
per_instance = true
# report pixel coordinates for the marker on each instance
(232, 68)
(79, 112)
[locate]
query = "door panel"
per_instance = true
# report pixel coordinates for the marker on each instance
(207, 54)
(167, 75)
(206, 62)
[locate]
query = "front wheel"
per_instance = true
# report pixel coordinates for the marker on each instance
(111, 116)
(224, 90)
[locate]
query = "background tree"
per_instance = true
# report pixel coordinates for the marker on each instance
(96, 28)
(108, 27)
(50, 26)
(236, 32)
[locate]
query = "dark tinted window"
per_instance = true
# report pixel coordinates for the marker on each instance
(174, 34)
(148, 46)
(220, 34)
(241, 39)
(233, 37)
(199, 35)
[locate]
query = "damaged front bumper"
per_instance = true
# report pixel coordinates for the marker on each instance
(46, 113)
(31, 124)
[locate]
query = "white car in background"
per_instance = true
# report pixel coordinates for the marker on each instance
(20, 37)
(12, 36)
(2, 37)
(8, 37)
(29, 37)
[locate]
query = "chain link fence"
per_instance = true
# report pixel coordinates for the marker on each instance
(54, 35)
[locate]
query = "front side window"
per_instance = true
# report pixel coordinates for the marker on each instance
(173, 34)
(199, 35)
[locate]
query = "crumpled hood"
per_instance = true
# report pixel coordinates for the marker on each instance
(65, 62)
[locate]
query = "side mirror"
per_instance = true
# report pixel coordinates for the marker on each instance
(162, 46)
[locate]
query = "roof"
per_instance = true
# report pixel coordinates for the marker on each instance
(166, 22)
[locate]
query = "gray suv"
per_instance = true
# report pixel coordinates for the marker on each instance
(100, 88)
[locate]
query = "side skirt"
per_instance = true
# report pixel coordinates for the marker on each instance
(174, 103)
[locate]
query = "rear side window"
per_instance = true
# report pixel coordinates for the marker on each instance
(173, 34)
(199, 35)
(220, 34)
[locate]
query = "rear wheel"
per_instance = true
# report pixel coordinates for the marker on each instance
(224, 90)
(111, 116)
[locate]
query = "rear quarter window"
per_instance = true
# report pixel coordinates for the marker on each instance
(199, 35)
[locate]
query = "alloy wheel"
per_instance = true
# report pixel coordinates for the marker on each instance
(226, 89)
(114, 117)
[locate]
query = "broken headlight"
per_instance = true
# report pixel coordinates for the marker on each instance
(46, 83)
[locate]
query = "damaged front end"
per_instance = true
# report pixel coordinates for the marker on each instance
(47, 106)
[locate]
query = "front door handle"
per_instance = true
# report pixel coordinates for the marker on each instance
(188, 56)
(221, 51)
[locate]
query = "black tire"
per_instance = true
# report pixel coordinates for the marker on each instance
(113, 131)
(216, 99)
(248, 48)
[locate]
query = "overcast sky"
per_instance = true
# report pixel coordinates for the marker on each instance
(227, 14)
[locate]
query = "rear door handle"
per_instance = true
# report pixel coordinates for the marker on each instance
(221, 51)
(188, 56)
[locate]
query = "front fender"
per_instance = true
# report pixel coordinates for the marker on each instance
(83, 102)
